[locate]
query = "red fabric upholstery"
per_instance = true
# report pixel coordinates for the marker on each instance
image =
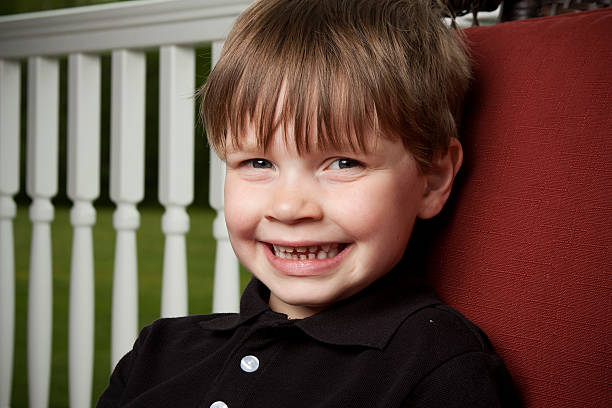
(524, 248)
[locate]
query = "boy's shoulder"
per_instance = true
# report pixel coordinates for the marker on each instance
(442, 333)
(454, 359)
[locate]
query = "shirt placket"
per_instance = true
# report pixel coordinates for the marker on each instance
(254, 356)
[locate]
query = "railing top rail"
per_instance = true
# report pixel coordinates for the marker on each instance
(100, 28)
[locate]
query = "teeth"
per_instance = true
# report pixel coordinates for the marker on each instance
(311, 252)
(280, 248)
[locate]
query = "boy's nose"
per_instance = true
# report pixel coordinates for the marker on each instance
(294, 205)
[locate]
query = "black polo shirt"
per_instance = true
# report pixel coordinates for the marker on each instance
(392, 345)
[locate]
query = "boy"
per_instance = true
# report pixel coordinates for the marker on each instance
(337, 122)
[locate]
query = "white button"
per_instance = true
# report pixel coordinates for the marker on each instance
(218, 404)
(249, 364)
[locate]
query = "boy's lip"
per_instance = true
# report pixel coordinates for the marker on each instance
(303, 267)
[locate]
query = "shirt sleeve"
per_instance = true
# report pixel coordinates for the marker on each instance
(113, 395)
(473, 379)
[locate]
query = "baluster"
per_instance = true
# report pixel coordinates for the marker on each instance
(83, 188)
(176, 149)
(127, 189)
(226, 289)
(10, 81)
(42, 135)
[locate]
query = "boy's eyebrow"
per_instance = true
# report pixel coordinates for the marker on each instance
(242, 148)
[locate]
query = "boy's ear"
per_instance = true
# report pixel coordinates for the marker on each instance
(440, 179)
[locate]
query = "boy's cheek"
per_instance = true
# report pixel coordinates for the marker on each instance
(237, 219)
(239, 214)
(380, 208)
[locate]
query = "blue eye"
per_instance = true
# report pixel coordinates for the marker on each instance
(344, 163)
(259, 164)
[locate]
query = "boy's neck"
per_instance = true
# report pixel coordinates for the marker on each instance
(292, 311)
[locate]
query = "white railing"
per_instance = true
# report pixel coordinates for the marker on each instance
(125, 30)
(485, 18)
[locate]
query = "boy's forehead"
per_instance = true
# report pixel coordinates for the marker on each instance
(249, 142)
(283, 139)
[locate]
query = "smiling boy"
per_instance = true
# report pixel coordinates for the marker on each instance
(317, 227)
(337, 120)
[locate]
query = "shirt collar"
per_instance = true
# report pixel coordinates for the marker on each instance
(369, 318)
(254, 301)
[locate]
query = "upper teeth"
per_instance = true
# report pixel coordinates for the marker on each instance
(306, 252)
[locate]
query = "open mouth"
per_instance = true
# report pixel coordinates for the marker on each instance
(323, 251)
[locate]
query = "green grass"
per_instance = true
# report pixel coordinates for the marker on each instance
(150, 241)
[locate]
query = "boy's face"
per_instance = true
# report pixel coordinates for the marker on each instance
(319, 227)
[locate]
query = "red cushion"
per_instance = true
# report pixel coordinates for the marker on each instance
(524, 248)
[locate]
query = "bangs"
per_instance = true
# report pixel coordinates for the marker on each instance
(310, 110)
(283, 75)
